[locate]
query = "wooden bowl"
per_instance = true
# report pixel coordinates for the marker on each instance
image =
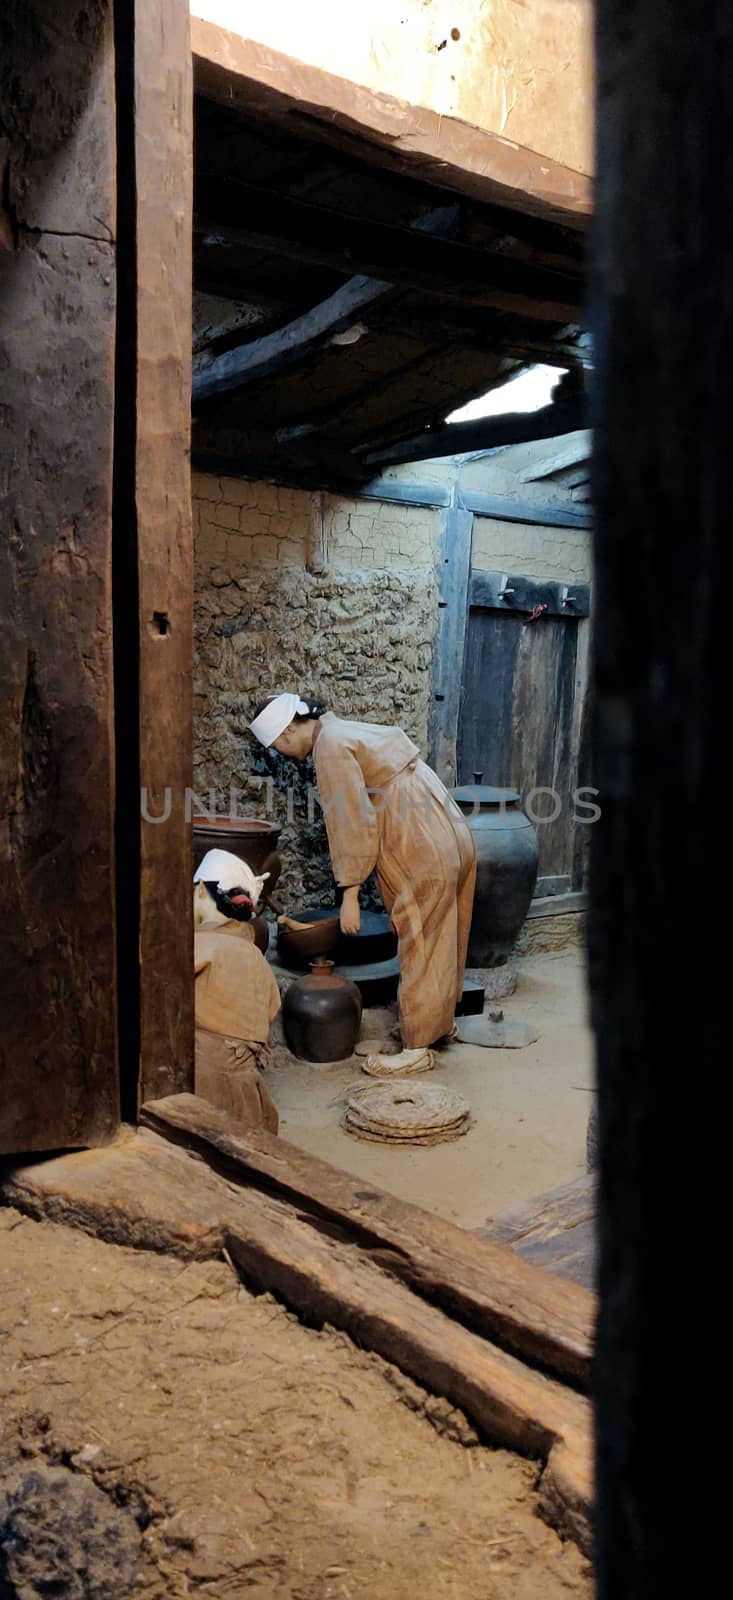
(299, 946)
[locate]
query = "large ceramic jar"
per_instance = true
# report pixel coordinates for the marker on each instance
(321, 1015)
(253, 839)
(507, 852)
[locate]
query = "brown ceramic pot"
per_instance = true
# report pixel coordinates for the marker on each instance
(321, 1015)
(253, 839)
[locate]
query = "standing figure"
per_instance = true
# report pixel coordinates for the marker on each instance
(387, 812)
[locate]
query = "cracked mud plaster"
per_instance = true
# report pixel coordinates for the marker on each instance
(243, 1453)
(58, 115)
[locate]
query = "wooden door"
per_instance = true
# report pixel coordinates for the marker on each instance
(522, 721)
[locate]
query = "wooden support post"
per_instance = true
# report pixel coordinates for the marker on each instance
(164, 158)
(154, 592)
(454, 573)
(317, 536)
(58, 1057)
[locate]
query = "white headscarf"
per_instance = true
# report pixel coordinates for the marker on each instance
(277, 716)
(228, 872)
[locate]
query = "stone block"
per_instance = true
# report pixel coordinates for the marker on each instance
(238, 491)
(204, 486)
(226, 516)
(265, 548)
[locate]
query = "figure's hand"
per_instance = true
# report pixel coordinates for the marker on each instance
(350, 915)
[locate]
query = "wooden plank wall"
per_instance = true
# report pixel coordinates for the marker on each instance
(58, 1069)
(523, 712)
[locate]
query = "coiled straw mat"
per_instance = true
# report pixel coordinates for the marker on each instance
(404, 1064)
(407, 1113)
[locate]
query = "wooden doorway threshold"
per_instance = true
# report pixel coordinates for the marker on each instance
(464, 1317)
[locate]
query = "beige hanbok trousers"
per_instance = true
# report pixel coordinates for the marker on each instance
(426, 870)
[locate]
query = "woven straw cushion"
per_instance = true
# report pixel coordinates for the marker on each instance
(401, 1113)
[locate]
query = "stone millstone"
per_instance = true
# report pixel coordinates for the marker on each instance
(504, 1035)
(407, 1114)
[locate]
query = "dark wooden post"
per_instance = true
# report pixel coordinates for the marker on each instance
(58, 1056)
(95, 565)
(663, 327)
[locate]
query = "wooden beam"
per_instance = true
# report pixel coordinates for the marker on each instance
(146, 1193)
(254, 359)
(576, 450)
(414, 492)
(260, 358)
(486, 433)
(332, 1281)
(251, 78)
(163, 184)
(399, 398)
(555, 1230)
(332, 1284)
(502, 591)
(454, 571)
(546, 514)
(563, 905)
(223, 269)
(486, 1286)
(227, 209)
(399, 492)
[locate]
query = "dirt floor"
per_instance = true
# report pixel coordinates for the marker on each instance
(165, 1433)
(530, 1106)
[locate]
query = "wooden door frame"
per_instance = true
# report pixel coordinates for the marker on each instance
(153, 537)
(458, 582)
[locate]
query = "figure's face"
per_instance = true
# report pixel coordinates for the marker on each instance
(296, 742)
(204, 909)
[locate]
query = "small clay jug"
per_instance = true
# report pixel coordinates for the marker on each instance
(322, 1014)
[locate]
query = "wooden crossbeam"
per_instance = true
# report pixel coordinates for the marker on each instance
(571, 453)
(275, 223)
(255, 81)
(507, 508)
(486, 433)
(260, 358)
